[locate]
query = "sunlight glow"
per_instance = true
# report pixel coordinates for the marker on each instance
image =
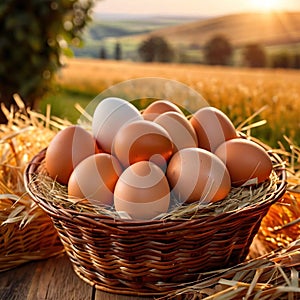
(267, 5)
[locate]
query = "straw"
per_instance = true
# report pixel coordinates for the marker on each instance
(273, 266)
(27, 232)
(272, 276)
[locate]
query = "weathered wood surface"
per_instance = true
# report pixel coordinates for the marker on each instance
(51, 279)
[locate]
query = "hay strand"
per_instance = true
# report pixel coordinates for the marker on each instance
(272, 276)
(273, 266)
(26, 232)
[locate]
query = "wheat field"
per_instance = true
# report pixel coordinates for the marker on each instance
(239, 92)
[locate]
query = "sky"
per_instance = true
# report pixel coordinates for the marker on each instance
(192, 7)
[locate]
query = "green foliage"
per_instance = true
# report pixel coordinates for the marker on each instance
(34, 35)
(118, 51)
(254, 56)
(281, 60)
(102, 53)
(296, 61)
(155, 48)
(218, 50)
(62, 102)
(286, 59)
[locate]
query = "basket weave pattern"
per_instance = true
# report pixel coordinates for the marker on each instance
(152, 257)
(20, 241)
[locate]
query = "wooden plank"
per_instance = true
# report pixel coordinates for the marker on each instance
(50, 279)
(55, 279)
(108, 296)
(14, 284)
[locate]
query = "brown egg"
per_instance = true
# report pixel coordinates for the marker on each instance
(179, 128)
(213, 128)
(66, 150)
(159, 107)
(142, 140)
(94, 179)
(198, 175)
(247, 162)
(142, 191)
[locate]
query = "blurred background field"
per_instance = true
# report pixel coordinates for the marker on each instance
(239, 92)
(243, 57)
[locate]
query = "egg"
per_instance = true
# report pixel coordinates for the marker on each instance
(196, 174)
(212, 127)
(94, 179)
(142, 191)
(158, 107)
(66, 150)
(109, 116)
(179, 128)
(247, 162)
(142, 140)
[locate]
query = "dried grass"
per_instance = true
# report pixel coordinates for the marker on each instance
(272, 270)
(26, 133)
(26, 231)
(281, 226)
(273, 276)
(238, 198)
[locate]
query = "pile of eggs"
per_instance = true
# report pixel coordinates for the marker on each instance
(132, 161)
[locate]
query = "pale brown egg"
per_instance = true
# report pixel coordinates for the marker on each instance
(159, 107)
(213, 128)
(179, 128)
(66, 150)
(196, 174)
(94, 179)
(142, 191)
(142, 140)
(247, 162)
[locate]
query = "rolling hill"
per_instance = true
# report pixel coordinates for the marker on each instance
(106, 29)
(265, 28)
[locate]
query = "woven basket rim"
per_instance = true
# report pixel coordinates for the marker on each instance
(69, 213)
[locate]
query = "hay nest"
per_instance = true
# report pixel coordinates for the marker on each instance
(26, 232)
(238, 198)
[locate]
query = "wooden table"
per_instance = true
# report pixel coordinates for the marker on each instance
(51, 279)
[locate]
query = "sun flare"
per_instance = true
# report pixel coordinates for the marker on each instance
(267, 5)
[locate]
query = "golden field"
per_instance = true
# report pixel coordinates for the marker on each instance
(239, 92)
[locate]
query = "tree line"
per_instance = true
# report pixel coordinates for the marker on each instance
(217, 51)
(36, 34)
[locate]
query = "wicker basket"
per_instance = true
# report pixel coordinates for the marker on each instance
(25, 239)
(152, 257)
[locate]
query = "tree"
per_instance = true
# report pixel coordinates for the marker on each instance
(118, 51)
(156, 48)
(254, 56)
(102, 53)
(296, 61)
(281, 60)
(218, 51)
(34, 35)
